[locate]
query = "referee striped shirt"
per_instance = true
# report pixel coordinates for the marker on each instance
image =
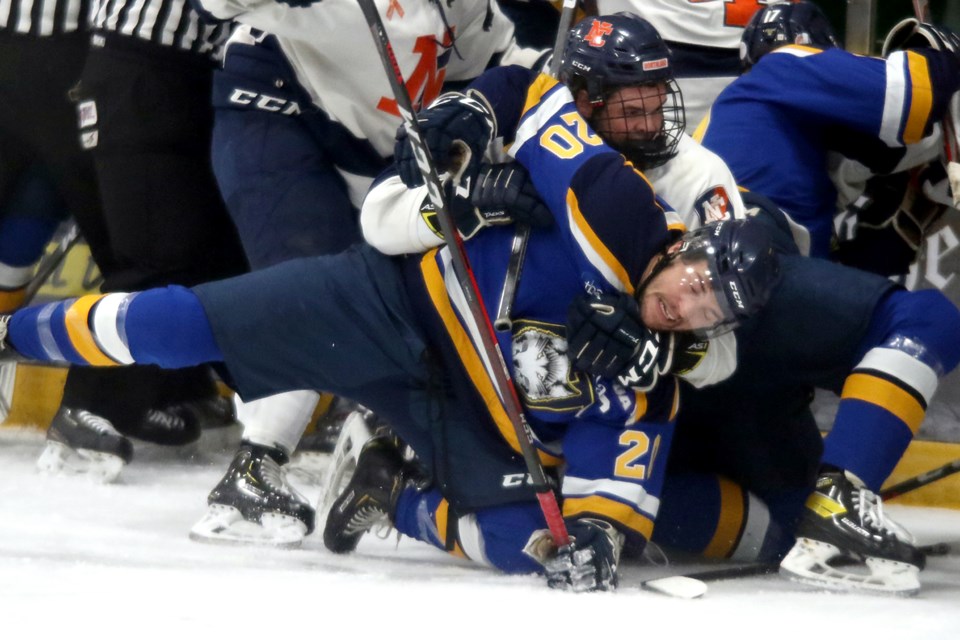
(171, 23)
(45, 17)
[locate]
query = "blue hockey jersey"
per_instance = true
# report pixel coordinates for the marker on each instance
(775, 125)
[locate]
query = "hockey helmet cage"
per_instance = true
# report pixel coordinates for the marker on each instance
(608, 52)
(783, 23)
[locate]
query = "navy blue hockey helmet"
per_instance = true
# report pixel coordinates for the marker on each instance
(784, 23)
(741, 263)
(609, 52)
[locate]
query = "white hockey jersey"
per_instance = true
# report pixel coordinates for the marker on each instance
(330, 48)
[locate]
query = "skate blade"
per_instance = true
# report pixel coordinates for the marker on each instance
(823, 565)
(353, 436)
(58, 459)
(225, 525)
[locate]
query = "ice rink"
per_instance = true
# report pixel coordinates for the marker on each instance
(112, 561)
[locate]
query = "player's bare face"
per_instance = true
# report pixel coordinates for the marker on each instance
(631, 113)
(681, 298)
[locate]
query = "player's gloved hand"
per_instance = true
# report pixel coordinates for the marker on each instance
(606, 337)
(457, 129)
(588, 563)
(892, 217)
(910, 33)
(504, 193)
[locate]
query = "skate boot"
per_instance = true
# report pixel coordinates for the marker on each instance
(81, 442)
(845, 541)
(370, 498)
(254, 503)
(173, 426)
(326, 431)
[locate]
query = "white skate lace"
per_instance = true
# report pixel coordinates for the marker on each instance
(369, 518)
(870, 510)
(273, 476)
(101, 425)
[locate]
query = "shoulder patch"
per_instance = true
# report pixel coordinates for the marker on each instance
(712, 205)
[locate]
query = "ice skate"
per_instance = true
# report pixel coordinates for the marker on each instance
(846, 542)
(370, 498)
(79, 442)
(356, 431)
(254, 503)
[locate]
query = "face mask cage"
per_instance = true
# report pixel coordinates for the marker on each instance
(645, 149)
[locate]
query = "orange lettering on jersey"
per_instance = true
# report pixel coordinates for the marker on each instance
(737, 13)
(597, 31)
(394, 8)
(424, 83)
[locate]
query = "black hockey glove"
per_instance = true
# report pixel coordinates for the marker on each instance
(588, 563)
(457, 129)
(504, 193)
(606, 337)
(892, 217)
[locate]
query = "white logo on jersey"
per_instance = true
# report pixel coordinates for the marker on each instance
(264, 102)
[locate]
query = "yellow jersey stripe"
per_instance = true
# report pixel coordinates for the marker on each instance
(471, 360)
(921, 98)
(441, 519)
(81, 337)
(611, 510)
(603, 259)
(730, 522)
(887, 395)
(535, 91)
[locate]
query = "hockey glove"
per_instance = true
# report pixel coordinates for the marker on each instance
(606, 337)
(892, 216)
(504, 193)
(457, 129)
(588, 563)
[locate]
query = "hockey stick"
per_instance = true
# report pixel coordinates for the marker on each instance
(921, 480)
(694, 585)
(66, 241)
(468, 286)
(518, 250)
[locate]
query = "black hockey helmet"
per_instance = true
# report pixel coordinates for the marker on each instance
(784, 23)
(742, 266)
(606, 53)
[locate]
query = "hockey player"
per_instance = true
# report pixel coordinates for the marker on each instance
(776, 124)
(704, 38)
(628, 88)
(403, 318)
(831, 327)
(303, 124)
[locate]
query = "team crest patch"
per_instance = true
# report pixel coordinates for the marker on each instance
(712, 205)
(597, 30)
(542, 370)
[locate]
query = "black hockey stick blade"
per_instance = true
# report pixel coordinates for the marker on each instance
(921, 480)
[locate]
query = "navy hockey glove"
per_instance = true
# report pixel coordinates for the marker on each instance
(504, 193)
(606, 337)
(588, 563)
(457, 129)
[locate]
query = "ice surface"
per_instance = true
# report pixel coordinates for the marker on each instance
(115, 561)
